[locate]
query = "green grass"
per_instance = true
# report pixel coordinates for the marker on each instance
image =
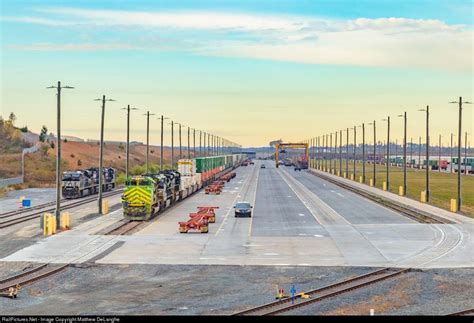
(443, 186)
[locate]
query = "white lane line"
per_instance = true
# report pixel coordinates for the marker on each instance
(271, 254)
(340, 194)
(254, 201)
(230, 208)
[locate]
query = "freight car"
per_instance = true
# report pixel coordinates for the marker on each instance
(146, 195)
(86, 182)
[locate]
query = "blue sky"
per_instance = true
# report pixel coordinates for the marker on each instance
(237, 68)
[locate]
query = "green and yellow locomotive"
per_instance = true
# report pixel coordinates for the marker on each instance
(145, 195)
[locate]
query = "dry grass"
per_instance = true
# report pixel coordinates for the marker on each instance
(443, 186)
(394, 298)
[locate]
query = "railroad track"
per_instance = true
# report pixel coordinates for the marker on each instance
(30, 276)
(406, 211)
(45, 205)
(286, 305)
(37, 213)
(468, 312)
(125, 227)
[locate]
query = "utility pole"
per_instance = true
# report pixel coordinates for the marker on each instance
(411, 151)
(347, 152)
(388, 152)
(404, 115)
(180, 145)
(427, 189)
(200, 143)
(127, 161)
(355, 147)
(194, 143)
(375, 153)
(330, 154)
(101, 172)
(172, 145)
(161, 145)
(460, 102)
(189, 153)
(57, 211)
(325, 144)
(148, 114)
(205, 148)
(363, 153)
(340, 152)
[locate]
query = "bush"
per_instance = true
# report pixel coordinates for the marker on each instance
(72, 155)
(79, 162)
(120, 178)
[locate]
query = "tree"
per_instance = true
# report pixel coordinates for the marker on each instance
(43, 134)
(12, 118)
(65, 140)
(24, 129)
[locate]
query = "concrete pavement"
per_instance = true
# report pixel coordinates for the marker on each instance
(297, 220)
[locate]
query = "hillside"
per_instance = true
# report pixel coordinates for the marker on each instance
(40, 166)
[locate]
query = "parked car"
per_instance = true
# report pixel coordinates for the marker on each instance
(263, 166)
(243, 209)
(297, 168)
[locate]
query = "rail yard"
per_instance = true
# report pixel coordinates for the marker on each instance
(236, 159)
(301, 224)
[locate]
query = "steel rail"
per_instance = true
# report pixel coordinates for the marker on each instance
(34, 215)
(318, 294)
(30, 276)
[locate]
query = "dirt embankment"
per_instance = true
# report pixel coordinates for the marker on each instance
(40, 166)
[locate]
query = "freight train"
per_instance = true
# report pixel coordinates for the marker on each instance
(86, 182)
(146, 195)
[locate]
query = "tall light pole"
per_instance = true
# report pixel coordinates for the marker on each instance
(148, 114)
(460, 103)
(172, 144)
(427, 190)
(189, 152)
(180, 145)
(101, 175)
(363, 153)
(200, 143)
(340, 152)
(325, 144)
(347, 152)
(388, 152)
(375, 153)
(355, 147)
(57, 211)
(404, 115)
(127, 160)
(330, 153)
(161, 143)
(194, 143)
(411, 151)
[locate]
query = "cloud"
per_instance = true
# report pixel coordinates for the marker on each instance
(392, 42)
(72, 47)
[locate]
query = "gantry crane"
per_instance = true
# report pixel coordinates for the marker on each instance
(278, 146)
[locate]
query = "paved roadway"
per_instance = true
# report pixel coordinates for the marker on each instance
(298, 219)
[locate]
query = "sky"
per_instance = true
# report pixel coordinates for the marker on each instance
(248, 71)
